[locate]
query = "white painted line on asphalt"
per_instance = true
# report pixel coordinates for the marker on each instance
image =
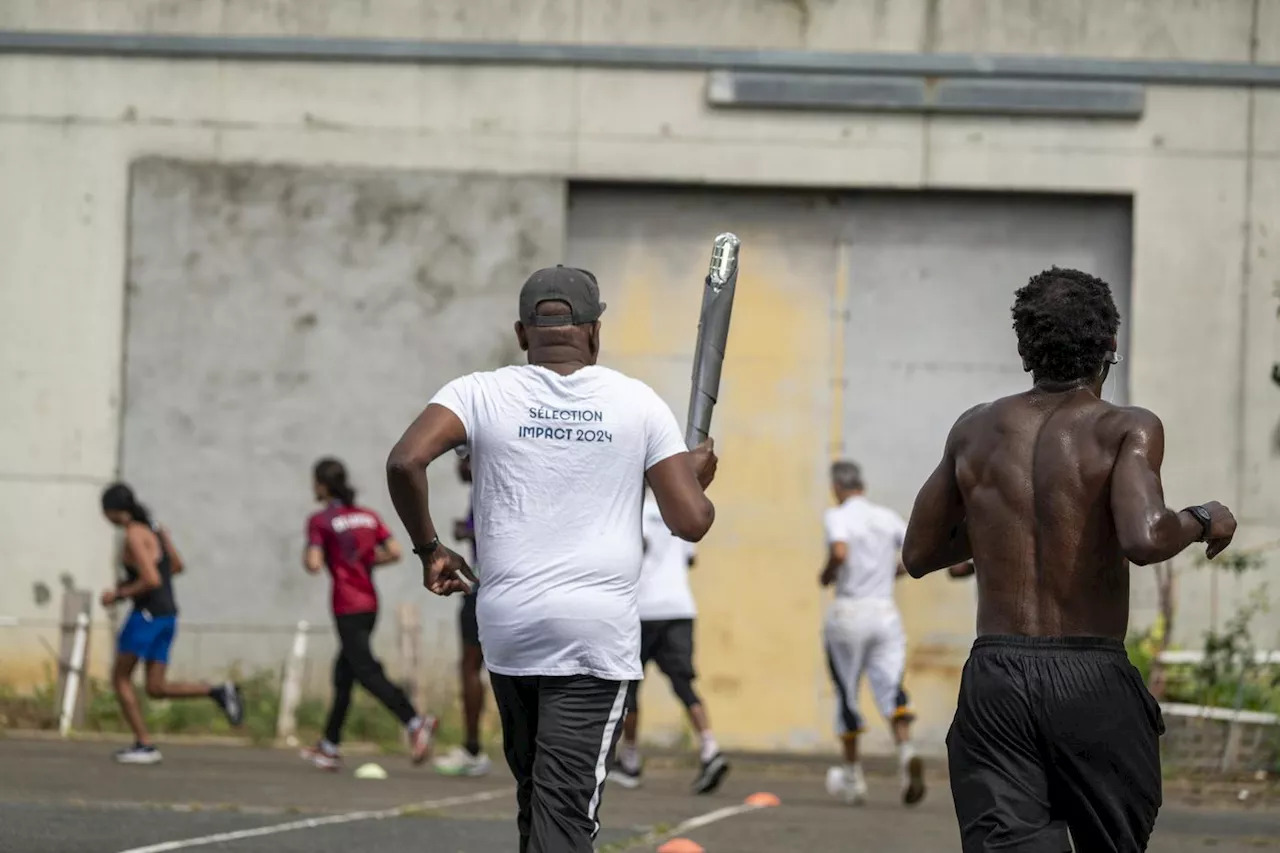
(696, 822)
(312, 823)
(710, 817)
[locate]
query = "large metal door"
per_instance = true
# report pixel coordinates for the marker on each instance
(864, 325)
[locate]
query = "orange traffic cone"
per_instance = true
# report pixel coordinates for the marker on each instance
(680, 845)
(763, 800)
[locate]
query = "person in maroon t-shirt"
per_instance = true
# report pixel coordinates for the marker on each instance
(350, 540)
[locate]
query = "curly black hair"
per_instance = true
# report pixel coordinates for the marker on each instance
(1065, 321)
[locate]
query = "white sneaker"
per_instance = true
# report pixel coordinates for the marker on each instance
(850, 787)
(629, 779)
(323, 759)
(137, 754)
(459, 762)
(422, 738)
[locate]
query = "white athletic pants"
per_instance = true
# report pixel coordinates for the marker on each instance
(865, 636)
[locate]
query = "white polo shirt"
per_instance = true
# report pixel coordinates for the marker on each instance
(558, 465)
(664, 572)
(874, 535)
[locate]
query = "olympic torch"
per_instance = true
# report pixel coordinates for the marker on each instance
(713, 334)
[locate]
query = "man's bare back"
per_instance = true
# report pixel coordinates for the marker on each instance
(1059, 492)
(1051, 494)
(1034, 470)
(1036, 474)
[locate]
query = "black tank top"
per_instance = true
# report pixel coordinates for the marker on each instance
(158, 601)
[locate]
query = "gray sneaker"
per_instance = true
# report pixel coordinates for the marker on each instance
(711, 774)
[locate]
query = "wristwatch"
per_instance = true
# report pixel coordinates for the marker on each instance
(428, 549)
(1206, 521)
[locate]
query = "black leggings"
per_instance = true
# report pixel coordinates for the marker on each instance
(355, 662)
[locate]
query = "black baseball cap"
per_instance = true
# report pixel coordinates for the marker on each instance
(575, 287)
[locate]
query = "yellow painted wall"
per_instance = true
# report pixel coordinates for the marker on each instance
(761, 669)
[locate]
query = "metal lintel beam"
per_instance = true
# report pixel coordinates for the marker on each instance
(926, 95)
(326, 49)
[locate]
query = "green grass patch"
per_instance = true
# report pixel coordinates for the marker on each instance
(367, 721)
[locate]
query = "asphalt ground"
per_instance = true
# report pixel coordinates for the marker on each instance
(69, 797)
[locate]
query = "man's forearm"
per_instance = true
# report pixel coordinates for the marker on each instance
(956, 549)
(1170, 534)
(407, 483)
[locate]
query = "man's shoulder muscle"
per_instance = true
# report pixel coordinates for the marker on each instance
(973, 419)
(1134, 422)
(1137, 417)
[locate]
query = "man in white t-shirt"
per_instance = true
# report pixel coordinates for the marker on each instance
(863, 631)
(560, 451)
(667, 612)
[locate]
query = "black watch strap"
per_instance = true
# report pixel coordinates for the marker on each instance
(428, 549)
(1206, 521)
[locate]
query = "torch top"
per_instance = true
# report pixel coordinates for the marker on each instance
(724, 258)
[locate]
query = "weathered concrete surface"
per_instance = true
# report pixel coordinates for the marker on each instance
(277, 315)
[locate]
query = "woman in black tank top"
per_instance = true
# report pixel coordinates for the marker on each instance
(150, 561)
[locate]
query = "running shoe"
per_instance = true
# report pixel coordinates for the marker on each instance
(324, 759)
(138, 754)
(913, 780)
(459, 762)
(230, 700)
(849, 786)
(628, 778)
(711, 775)
(422, 738)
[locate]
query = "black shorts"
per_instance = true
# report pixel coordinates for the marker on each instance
(669, 644)
(1052, 734)
(467, 621)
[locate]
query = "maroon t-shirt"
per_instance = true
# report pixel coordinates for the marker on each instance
(349, 536)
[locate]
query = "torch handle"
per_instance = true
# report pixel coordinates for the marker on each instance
(707, 364)
(713, 334)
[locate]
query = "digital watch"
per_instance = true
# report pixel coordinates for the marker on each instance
(1206, 521)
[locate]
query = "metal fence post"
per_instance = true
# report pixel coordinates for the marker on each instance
(291, 686)
(76, 603)
(75, 669)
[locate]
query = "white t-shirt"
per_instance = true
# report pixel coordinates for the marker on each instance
(558, 464)
(664, 572)
(874, 536)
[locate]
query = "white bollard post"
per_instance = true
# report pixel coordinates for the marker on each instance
(291, 687)
(75, 669)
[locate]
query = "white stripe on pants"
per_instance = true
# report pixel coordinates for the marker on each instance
(606, 747)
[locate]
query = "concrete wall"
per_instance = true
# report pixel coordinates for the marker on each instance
(277, 315)
(1201, 168)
